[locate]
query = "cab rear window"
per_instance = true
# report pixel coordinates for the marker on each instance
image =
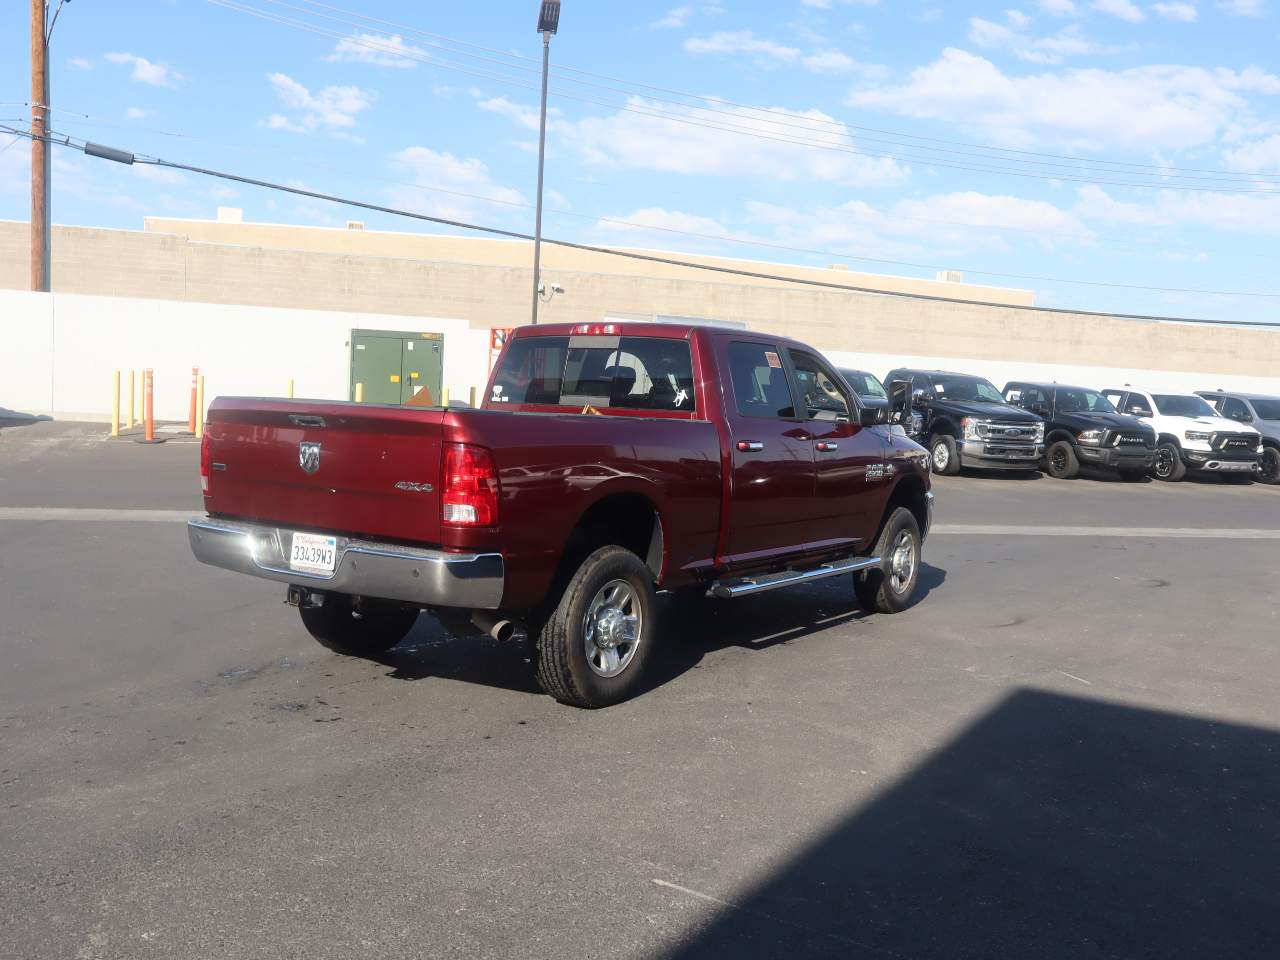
(631, 373)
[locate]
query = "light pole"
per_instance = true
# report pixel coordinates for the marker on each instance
(548, 21)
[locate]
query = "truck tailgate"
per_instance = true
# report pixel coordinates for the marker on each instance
(376, 471)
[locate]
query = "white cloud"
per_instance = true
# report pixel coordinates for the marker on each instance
(331, 108)
(1244, 8)
(995, 211)
(741, 41)
(1058, 8)
(647, 226)
(378, 50)
(1122, 9)
(136, 113)
(144, 71)
(1182, 12)
(278, 121)
(444, 171)
(80, 63)
(1256, 157)
(1147, 108)
(1222, 212)
(525, 116)
(833, 61)
(672, 19)
(1018, 18)
(641, 141)
(1067, 42)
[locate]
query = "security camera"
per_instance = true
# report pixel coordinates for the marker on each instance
(556, 288)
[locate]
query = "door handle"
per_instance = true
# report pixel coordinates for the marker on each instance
(825, 446)
(750, 446)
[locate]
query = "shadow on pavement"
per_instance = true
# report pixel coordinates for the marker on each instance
(14, 418)
(691, 627)
(1054, 827)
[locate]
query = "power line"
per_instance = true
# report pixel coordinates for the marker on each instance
(1163, 182)
(633, 255)
(768, 115)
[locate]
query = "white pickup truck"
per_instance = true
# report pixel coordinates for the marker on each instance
(1190, 435)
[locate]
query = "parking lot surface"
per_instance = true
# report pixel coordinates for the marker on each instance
(1068, 748)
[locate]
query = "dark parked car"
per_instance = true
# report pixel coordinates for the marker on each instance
(1263, 414)
(967, 423)
(872, 394)
(1084, 428)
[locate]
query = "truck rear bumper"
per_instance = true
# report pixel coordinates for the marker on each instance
(431, 578)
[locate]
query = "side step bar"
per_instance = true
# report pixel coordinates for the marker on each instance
(745, 586)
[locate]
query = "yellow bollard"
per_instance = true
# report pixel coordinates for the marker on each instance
(359, 393)
(131, 421)
(289, 392)
(444, 396)
(200, 406)
(472, 396)
(115, 403)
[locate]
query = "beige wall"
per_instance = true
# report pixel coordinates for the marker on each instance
(152, 264)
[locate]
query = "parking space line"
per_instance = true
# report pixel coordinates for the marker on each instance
(96, 515)
(1146, 533)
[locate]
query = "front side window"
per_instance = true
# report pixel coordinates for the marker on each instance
(1136, 405)
(1234, 409)
(1178, 405)
(760, 386)
(1073, 400)
(820, 391)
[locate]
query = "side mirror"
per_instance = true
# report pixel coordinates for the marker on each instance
(898, 409)
(871, 416)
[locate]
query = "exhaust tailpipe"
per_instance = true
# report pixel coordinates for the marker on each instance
(486, 622)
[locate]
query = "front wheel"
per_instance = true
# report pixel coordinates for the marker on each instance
(944, 455)
(592, 650)
(365, 628)
(889, 587)
(1061, 461)
(1270, 465)
(1169, 465)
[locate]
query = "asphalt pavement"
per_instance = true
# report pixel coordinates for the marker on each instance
(1070, 747)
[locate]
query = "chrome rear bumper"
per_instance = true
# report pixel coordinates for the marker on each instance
(431, 578)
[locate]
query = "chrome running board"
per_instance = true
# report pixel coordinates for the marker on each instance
(745, 586)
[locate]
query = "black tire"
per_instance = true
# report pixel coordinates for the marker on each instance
(944, 457)
(883, 590)
(1061, 462)
(1270, 465)
(561, 662)
(1169, 465)
(370, 629)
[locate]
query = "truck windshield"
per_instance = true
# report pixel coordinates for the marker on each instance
(864, 384)
(636, 373)
(1083, 401)
(965, 388)
(1176, 405)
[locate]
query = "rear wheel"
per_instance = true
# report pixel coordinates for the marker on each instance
(944, 455)
(1169, 465)
(592, 650)
(363, 628)
(1061, 461)
(1270, 465)
(889, 587)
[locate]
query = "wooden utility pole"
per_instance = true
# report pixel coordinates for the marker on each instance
(39, 148)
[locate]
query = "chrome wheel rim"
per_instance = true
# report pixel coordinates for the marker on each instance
(940, 457)
(612, 628)
(1164, 462)
(902, 562)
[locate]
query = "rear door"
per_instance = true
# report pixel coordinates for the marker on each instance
(771, 449)
(850, 480)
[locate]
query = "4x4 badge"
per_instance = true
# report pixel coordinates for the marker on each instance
(309, 456)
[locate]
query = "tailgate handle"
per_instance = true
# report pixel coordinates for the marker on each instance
(306, 420)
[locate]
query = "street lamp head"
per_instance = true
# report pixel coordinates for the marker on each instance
(549, 17)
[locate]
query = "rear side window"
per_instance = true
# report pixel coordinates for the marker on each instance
(760, 385)
(633, 373)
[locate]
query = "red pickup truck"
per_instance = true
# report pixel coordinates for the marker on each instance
(609, 461)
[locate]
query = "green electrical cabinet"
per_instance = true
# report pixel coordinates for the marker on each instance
(394, 365)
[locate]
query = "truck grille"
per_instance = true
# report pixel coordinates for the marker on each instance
(1130, 439)
(1232, 442)
(1009, 432)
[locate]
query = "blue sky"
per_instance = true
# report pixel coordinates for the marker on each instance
(1046, 138)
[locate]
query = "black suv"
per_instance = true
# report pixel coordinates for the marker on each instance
(1084, 428)
(967, 423)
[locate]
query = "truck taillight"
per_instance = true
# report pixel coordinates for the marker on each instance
(470, 487)
(204, 464)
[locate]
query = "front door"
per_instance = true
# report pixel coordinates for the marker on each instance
(851, 478)
(772, 456)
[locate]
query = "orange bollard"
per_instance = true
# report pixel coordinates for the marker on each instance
(191, 416)
(148, 408)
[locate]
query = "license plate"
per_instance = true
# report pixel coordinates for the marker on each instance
(313, 553)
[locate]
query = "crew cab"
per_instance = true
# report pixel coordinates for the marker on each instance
(1190, 435)
(967, 423)
(607, 462)
(1082, 427)
(1260, 412)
